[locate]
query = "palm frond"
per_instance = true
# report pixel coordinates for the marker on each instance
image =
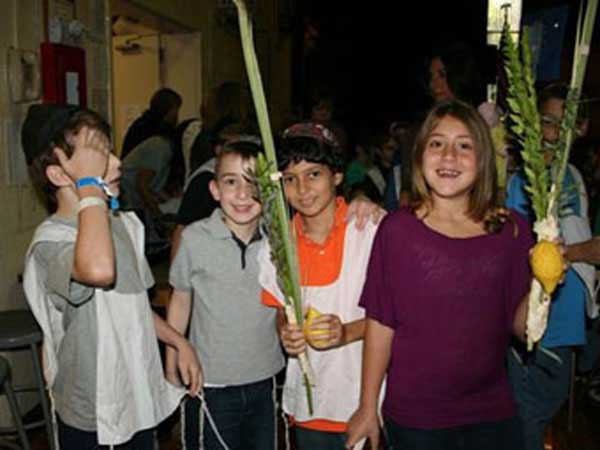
(270, 192)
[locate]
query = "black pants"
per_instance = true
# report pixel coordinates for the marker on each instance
(499, 435)
(71, 438)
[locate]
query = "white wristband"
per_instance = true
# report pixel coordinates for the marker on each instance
(86, 202)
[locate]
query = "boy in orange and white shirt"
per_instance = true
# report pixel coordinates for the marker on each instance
(333, 257)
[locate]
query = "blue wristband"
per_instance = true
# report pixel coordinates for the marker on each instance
(98, 181)
(90, 181)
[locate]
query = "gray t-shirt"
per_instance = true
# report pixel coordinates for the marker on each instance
(233, 333)
(152, 154)
(75, 384)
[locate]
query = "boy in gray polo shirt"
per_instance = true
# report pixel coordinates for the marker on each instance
(216, 292)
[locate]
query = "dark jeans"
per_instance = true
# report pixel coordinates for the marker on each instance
(244, 416)
(307, 439)
(540, 381)
(71, 438)
(500, 435)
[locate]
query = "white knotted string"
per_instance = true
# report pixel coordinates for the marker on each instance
(287, 430)
(182, 426)
(54, 419)
(275, 408)
(211, 422)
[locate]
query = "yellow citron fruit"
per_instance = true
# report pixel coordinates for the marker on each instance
(547, 265)
(311, 315)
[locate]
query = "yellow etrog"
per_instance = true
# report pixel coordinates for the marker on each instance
(311, 315)
(547, 265)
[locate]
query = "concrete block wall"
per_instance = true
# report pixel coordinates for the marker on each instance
(21, 26)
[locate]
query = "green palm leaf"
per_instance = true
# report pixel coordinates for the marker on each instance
(271, 195)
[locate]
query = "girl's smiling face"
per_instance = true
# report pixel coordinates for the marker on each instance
(450, 160)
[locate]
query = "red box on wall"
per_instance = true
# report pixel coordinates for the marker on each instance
(63, 74)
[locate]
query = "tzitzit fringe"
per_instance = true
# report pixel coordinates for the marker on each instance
(182, 425)
(275, 408)
(286, 425)
(54, 421)
(203, 412)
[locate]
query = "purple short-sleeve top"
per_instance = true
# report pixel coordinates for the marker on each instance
(451, 304)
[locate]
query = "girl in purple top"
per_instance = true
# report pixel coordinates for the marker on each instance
(445, 291)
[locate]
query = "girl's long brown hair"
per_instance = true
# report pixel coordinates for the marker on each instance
(483, 202)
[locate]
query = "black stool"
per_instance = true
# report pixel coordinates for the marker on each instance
(6, 387)
(20, 331)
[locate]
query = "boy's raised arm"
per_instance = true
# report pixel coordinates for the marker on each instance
(94, 258)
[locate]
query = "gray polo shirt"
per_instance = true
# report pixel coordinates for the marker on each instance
(233, 333)
(75, 384)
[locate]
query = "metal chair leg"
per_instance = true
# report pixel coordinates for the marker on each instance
(571, 414)
(14, 409)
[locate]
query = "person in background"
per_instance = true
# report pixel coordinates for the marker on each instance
(151, 166)
(323, 111)
(368, 172)
(159, 119)
(452, 73)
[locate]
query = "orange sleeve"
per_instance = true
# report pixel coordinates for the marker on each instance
(269, 299)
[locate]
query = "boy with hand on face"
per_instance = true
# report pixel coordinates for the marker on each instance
(86, 281)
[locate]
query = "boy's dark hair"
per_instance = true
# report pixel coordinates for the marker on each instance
(555, 90)
(164, 100)
(559, 90)
(311, 143)
(247, 147)
(39, 140)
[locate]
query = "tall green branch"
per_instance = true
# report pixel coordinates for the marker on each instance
(271, 194)
(568, 126)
